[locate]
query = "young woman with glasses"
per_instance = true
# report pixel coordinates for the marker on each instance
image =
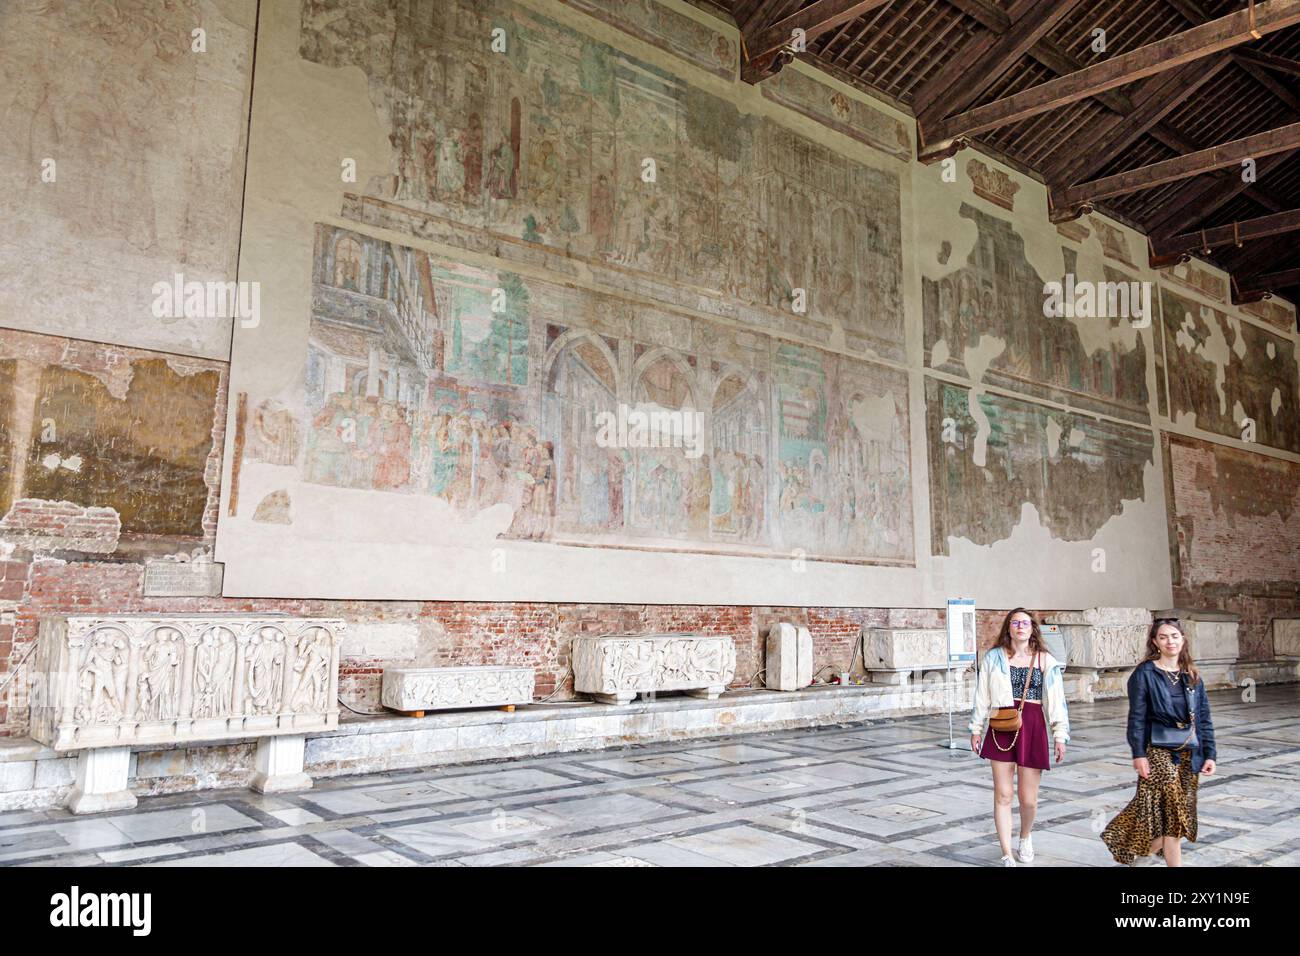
(1018, 673)
(1171, 738)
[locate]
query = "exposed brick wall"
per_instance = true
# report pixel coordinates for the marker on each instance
(61, 525)
(1234, 524)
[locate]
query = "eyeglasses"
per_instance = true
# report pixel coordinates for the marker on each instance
(1022, 623)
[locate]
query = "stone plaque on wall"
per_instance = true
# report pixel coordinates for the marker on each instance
(177, 577)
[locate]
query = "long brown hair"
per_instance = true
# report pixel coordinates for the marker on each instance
(1036, 644)
(1184, 656)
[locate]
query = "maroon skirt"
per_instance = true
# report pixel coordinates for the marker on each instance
(1028, 748)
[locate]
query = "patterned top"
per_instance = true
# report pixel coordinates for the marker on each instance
(1018, 683)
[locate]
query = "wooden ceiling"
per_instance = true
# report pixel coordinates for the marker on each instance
(1151, 127)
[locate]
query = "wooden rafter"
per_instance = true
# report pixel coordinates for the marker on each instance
(1200, 41)
(986, 57)
(1278, 64)
(1204, 198)
(1267, 282)
(764, 42)
(1203, 240)
(1068, 203)
(1090, 152)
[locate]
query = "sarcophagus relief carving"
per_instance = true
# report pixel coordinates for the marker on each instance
(101, 681)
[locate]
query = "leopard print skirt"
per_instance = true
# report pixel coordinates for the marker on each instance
(1165, 805)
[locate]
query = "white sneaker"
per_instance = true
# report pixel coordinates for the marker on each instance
(1008, 861)
(1026, 849)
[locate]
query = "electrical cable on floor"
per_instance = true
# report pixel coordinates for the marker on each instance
(363, 713)
(750, 682)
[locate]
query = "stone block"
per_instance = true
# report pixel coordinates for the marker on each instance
(892, 654)
(17, 775)
(615, 668)
(789, 657)
(1286, 637)
(446, 688)
(1106, 616)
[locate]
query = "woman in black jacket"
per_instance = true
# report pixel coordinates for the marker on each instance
(1171, 738)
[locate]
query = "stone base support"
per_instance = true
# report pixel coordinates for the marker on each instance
(278, 765)
(102, 774)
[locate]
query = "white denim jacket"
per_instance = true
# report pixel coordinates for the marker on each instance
(993, 690)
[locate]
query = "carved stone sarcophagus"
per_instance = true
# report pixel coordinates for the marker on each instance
(616, 668)
(414, 689)
(114, 682)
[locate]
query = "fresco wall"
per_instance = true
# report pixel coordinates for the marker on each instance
(114, 177)
(121, 429)
(1224, 371)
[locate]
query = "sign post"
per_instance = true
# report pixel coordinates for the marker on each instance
(961, 648)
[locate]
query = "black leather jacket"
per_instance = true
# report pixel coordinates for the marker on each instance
(1150, 699)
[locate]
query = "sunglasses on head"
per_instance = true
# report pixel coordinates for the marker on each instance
(1166, 620)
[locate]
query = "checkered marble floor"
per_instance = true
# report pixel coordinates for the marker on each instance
(884, 792)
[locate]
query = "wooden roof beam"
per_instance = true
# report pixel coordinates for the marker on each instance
(1206, 197)
(1203, 240)
(1070, 202)
(1212, 37)
(1278, 64)
(1252, 289)
(981, 61)
(765, 42)
(1087, 153)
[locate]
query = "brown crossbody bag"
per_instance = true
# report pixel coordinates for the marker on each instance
(1008, 719)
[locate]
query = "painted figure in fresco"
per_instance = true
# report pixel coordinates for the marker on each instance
(326, 449)
(390, 444)
(361, 458)
(451, 169)
(546, 175)
(501, 169)
(471, 147)
(214, 660)
(428, 166)
(698, 495)
(601, 215)
(264, 671)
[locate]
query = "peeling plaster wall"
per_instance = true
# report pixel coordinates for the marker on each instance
(1234, 524)
(1048, 462)
(121, 164)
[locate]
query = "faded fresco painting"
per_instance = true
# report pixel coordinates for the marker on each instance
(107, 427)
(840, 112)
(566, 146)
(483, 388)
(667, 29)
(985, 321)
(989, 458)
(1233, 377)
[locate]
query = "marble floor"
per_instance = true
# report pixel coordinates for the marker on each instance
(885, 792)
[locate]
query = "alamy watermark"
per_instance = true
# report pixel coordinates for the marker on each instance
(208, 300)
(1098, 300)
(651, 426)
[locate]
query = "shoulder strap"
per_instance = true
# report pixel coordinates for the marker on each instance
(1029, 679)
